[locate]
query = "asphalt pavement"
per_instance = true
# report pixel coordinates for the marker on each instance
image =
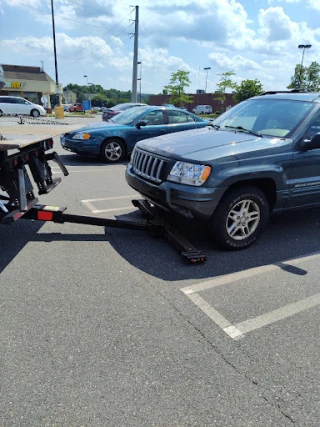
(110, 328)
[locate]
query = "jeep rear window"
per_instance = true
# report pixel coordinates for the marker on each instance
(277, 118)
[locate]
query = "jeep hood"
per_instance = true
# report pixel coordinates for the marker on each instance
(205, 144)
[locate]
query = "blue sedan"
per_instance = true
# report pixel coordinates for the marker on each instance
(115, 139)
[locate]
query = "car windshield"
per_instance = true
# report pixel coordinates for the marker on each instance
(269, 117)
(129, 116)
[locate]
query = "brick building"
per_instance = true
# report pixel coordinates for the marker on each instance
(197, 99)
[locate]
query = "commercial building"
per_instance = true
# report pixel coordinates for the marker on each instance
(31, 83)
(198, 99)
(69, 97)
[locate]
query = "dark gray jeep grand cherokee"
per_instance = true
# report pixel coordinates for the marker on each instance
(262, 155)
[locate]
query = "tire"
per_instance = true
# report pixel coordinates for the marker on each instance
(35, 113)
(112, 151)
(231, 226)
(1, 113)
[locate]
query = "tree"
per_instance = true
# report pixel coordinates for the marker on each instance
(306, 78)
(225, 83)
(99, 99)
(176, 88)
(247, 89)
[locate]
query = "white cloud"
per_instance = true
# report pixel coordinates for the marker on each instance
(285, 1)
(68, 48)
(237, 62)
(314, 4)
(276, 25)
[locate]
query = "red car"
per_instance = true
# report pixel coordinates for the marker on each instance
(75, 108)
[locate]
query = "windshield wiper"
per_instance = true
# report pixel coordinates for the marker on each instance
(214, 125)
(244, 130)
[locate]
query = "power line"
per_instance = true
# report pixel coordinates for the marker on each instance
(56, 14)
(108, 31)
(78, 67)
(91, 8)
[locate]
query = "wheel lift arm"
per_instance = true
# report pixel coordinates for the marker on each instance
(150, 223)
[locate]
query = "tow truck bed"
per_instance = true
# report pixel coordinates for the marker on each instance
(30, 134)
(24, 155)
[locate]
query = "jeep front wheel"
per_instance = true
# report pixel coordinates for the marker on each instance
(240, 217)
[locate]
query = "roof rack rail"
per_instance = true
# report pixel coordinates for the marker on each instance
(271, 92)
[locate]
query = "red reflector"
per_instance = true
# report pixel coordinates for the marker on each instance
(26, 157)
(45, 216)
(15, 162)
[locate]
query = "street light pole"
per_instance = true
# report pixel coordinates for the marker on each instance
(86, 77)
(303, 47)
(206, 69)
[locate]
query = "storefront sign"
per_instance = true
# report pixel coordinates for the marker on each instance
(13, 85)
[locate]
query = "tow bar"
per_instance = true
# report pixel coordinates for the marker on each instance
(151, 223)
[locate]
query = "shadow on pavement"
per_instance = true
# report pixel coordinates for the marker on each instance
(13, 238)
(287, 236)
(77, 160)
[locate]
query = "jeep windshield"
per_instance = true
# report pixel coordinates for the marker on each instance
(276, 118)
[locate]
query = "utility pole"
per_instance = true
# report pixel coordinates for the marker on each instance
(55, 53)
(135, 57)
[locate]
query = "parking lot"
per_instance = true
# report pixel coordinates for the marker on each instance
(110, 328)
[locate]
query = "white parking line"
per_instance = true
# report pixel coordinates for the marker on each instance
(238, 330)
(110, 198)
(278, 314)
(93, 209)
(85, 170)
(126, 208)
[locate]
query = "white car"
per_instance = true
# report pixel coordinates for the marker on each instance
(17, 105)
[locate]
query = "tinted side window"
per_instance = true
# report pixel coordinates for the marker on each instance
(177, 117)
(314, 126)
(5, 100)
(154, 118)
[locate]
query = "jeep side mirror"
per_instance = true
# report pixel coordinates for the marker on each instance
(311, 144)
(141, 123)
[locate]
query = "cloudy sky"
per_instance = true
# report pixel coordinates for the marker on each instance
(254, 38)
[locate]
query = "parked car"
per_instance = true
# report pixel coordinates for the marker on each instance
(77, 107)
(66, 107)
(114, 140)
(202, 109)
(261, 156)
(108, 113)
(17, 105)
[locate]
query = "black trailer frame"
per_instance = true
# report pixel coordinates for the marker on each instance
(152, 223)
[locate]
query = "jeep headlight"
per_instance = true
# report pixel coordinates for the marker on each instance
(189, 173)
(81, 135)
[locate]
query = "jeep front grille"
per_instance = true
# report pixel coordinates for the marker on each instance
(148, 166)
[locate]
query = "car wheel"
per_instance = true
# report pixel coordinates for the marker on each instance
(240, 217)
(35, 113)
(1, 113)
(112, 151)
